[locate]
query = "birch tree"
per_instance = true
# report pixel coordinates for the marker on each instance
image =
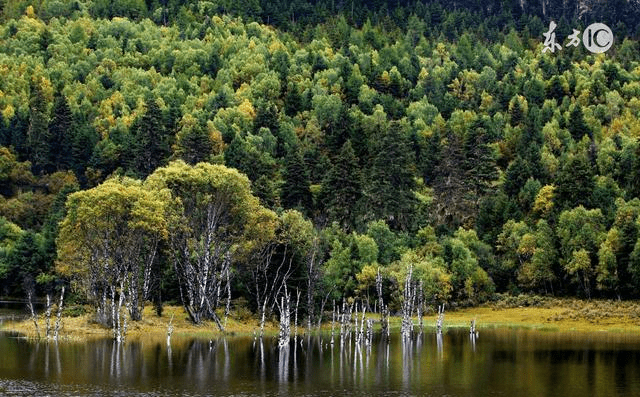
(277, 252)
(211, 212)
(108, 243)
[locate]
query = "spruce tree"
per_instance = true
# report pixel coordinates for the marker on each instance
(342, 188)
(84, 139)
(150, 145)
(295, 191)
(60, 138)
(577, 126)
(451, 186)
(193, 144)
(575, 182)
(38, 132)
(391, 183)
(518, 172)
(480, 164)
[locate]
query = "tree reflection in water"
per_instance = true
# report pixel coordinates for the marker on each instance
(454, 363)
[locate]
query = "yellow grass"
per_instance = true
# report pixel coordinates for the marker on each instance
(563, 315)
(151, 326)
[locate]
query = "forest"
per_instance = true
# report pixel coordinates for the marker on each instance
(220, 153)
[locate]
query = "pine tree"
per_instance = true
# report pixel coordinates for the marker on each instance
(518, 172)
(295, 191)
(150, 145)
(60, 138)
(38, 132)
(577, 126)
(480, 164)
(451, 187)
(26, 260)
(428, 157)
(575, 182)
(84, 139)
(193, 144)
(391, 181)
(342, 188)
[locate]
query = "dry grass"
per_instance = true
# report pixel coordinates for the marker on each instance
(547, 314)
(555, 314)
(151, 326)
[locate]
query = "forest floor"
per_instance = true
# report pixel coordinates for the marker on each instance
(524, 312)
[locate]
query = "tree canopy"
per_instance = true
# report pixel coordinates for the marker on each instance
(208, 149)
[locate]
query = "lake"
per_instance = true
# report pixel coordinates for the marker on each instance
(500, 362)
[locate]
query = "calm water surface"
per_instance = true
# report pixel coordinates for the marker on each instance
(497, 363)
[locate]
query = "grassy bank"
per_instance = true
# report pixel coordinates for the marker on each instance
(151, 326)
(547, 314)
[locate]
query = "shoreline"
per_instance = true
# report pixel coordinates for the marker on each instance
(529, 313)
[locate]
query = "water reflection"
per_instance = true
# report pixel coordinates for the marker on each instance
(503, 362)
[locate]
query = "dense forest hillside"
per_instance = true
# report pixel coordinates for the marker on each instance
(192, 150)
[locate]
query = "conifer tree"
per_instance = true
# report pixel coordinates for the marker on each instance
(193, 144)
(38, 132)
(480, 164)
(60, 135)
(342, 188)
(518, 172)
(295, 191)
(391, 182)
(577, 126)
(575, 183)
(150, 146)
(451, 187)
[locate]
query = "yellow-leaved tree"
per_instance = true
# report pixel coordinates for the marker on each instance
(210, 216)
(108, 243)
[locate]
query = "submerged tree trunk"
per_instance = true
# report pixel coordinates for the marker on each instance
(384, 312)
(440, 320)
(33, 312)
(313, 275)
(285, 320)
(47, 320)
(407, 305)
(56, 332)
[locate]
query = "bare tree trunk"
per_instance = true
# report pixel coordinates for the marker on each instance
(227, 309)
(295, 322)
(440, 321)
(272, 286)
(133, 303)
(312, 278)
(384, 323)
(114, 325)
(357, 334)
(119, 335)
(324, 302)
(285, 320)
(420, 307)
(361, 334)
(129, 308)
(407, 305)
(333, 321)
(47, 321)
(59, 315)
(262, 317)
(170, 331)
(33, 312)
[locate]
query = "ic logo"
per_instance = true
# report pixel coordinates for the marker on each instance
(597, 38)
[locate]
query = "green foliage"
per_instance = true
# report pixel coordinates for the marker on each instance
(342, 188)
(400, 120)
